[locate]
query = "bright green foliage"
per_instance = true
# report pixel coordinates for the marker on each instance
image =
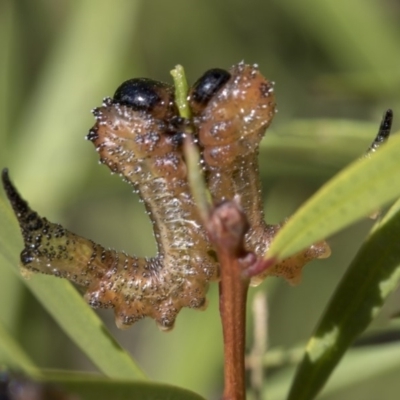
(372, 276)
(355, 192)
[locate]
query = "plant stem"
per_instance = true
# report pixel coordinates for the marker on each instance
(227, 226)
(181, 91)
(232, 305)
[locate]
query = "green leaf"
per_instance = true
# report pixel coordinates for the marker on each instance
(181, 91)
(372, 276)
(93, 388)
(381, 361)
(68, 308)
(358, 190)
(13, 356)
(84, 327)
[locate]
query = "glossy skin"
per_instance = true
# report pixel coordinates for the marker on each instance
(138, 146)
(230, 126)
(138, 134)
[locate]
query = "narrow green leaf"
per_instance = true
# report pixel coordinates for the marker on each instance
(181, 91)
(13, 356)
(372, 276)
(84, 327)
(192, 155)
(358, 190)
(381, 361)
(69, 309)
(197, 184)
(93, 388)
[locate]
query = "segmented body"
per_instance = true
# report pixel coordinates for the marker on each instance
(141, 148)
(230, 125)
(138, 134)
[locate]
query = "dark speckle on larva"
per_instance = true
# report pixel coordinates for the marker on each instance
(266, 89)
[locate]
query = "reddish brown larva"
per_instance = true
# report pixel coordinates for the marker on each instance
(230, 125)
(137, 145)
(138, 134)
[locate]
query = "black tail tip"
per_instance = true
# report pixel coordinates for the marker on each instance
(19, 205)
(389, 113)
(386, 124)
(4, 175)
(7, 185)
(383, 132)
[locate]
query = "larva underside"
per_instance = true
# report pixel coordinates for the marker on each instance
(142, 142)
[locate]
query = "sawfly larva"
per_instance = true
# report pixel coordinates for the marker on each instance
(134, 137)
(232, 111)
(139, 134)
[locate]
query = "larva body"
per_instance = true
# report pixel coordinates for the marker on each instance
(230, 125)
(138, 134)
(230, 128)
(140, 147)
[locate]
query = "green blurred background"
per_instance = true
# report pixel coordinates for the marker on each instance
(336, 65)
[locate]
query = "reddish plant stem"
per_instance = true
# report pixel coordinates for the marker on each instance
(227, 225)
(232, 304)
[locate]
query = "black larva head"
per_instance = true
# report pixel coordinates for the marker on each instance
(209, 84)
(141, 94)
